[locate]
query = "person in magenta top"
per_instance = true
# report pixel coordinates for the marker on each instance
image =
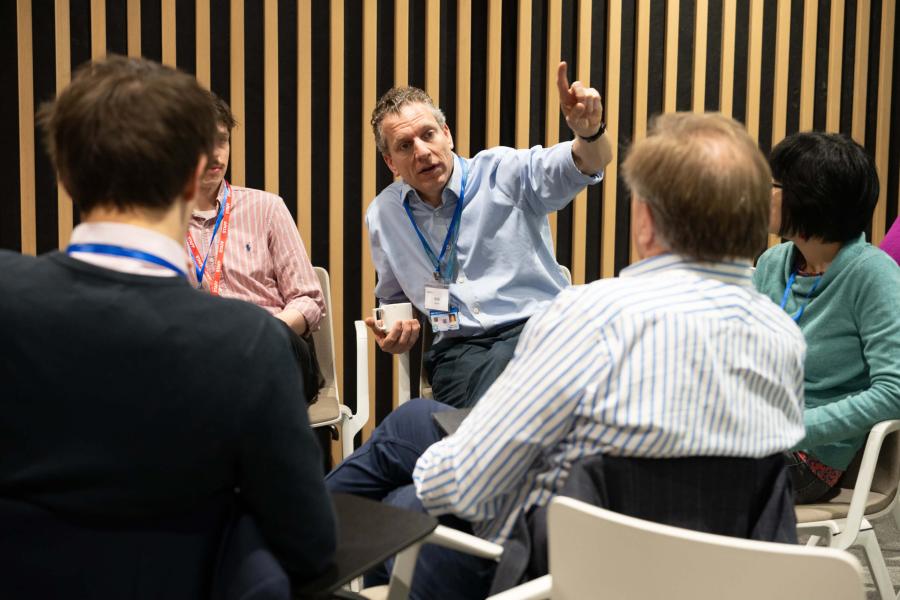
(891, 241)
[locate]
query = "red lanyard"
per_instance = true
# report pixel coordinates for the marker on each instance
(220, 250)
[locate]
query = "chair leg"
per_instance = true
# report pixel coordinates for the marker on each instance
(402, 573)
(879, 570)
(346, 438)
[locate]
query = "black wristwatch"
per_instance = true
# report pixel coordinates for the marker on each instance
(596, 136)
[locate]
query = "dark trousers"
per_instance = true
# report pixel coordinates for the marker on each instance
(462, 369)
(311, 377)
(382, 470)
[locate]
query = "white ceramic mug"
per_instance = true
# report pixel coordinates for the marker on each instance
(387, 315)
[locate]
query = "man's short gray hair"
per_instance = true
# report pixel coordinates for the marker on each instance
(706, 183)
(392, 102)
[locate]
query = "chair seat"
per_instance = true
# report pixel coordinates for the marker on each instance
(839, 506)
(326, 409)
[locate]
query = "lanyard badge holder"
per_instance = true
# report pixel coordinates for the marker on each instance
(442, 316)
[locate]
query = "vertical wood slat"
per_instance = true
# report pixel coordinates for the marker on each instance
(304, 121)
(641, 68)
(369, 158)
(835, 66)
(336, 182)
(579, 205)
(134, 27)
(554, 45)
(883, 118)
(433, 50)
(613, 72)
(729, 36)
(754, 67)
(401, 78)
(670, 82)
(236, 55)
(270, 94)
(203, 44)
(463, 76)
(523, 74)
(780, 94)
(492, 114)
(168, 32)
(98, 29)
(808, 61)
(63, 76)
(641, 83)
(701, 28)
(861, 70)
(401, 43)
(26, 127)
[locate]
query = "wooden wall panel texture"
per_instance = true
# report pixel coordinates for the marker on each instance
(303, 76)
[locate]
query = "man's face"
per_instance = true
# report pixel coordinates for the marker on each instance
(418, 149)
(218, 160)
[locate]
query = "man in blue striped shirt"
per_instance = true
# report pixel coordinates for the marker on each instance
(677, 357)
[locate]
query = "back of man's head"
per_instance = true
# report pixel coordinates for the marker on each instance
(706, 184)
(128, 133)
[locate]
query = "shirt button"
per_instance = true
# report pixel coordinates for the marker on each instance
(475, 309)
(461, 279)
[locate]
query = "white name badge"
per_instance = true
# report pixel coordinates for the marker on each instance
(437, 297)
(444, 320)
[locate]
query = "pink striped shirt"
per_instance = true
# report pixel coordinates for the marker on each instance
(264, 262)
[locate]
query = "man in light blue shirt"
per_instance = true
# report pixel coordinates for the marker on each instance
(467, 241)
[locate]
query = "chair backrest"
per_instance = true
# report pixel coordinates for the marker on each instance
(326, 409)
(887, 470)
(598, 553)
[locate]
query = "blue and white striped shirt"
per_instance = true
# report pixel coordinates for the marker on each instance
(674, 358)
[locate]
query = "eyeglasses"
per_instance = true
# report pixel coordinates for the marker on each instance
(777, 185)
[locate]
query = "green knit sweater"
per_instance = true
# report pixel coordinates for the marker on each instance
(852, 330)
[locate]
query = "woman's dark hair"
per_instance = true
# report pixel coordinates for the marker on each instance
(829, 186)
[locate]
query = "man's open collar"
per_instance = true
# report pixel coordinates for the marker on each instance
(453, 186)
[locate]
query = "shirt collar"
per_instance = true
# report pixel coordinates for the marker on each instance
(131, 236)
(212, 212)
(450, 193)
(734, 272)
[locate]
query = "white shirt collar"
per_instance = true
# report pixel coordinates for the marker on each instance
(128, 236)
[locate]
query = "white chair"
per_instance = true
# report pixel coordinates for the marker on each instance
(327, 410)
(845, 520)
(596, 553)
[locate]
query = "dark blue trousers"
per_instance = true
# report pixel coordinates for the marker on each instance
(382, 470)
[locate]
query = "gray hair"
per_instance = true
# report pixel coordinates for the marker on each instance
(392, 102)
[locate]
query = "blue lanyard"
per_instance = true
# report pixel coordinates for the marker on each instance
(112, 250)
(452, 231)
(201, 269)
(787, 291)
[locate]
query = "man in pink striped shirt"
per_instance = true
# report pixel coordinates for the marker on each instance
(243, 244)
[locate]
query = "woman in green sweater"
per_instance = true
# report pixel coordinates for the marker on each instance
(842, 292)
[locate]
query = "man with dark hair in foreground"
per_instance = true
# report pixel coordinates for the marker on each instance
(131, 401)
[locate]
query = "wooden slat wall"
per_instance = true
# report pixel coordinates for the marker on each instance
(434, 44)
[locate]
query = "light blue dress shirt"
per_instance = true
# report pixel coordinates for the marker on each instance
(506, 268)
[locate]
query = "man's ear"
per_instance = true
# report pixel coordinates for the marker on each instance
(192, 188)
(390, 164)
(643, 228)
(448, 134)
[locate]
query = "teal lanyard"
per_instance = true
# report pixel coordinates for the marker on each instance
(787, 291)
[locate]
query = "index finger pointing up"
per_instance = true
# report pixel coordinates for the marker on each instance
(562, 80)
